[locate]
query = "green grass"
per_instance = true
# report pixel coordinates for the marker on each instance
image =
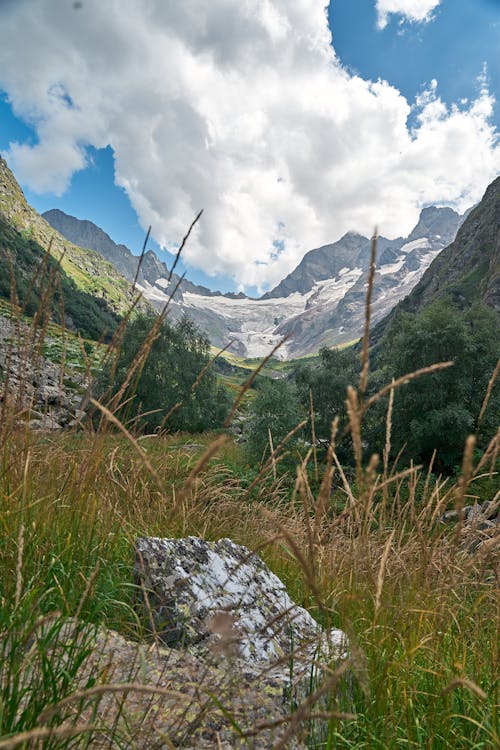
(426, 657)
(422, 615)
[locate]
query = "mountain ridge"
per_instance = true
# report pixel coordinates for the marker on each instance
(90, 272)
(320, 303)
(86, 234)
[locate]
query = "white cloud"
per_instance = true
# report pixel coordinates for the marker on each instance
(242, 108)
(411, 10)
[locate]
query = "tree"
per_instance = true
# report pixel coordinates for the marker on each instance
(439, 410)
(327, 381)
(275, 411)
(168, 377)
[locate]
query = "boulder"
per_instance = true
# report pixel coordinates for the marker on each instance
(480, 525)
(218, 600)
(159, 697)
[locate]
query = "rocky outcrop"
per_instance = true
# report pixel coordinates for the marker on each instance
(219, 601)
(234, 662)
(467, 270)
(46, 394)
(136, 696)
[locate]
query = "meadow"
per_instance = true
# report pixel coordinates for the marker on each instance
(421, 613)
(361, 546)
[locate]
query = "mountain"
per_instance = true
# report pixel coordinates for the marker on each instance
(440, 223)
(95, 294)
(87, 234)
(328, 262)
(321, 303)
(467, 270)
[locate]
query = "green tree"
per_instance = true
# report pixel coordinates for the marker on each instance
(439, 410)
(275, 411)
(169, 376)
(327, 381)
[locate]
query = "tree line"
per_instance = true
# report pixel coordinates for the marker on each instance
(433, 413)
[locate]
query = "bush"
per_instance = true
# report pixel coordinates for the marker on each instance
(439, 410)
(327, 381)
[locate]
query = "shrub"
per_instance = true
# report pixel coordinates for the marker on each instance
(275, 411)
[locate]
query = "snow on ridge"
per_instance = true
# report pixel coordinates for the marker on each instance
(415, 245)
(251, 309)
(392, 267)
(333, 290)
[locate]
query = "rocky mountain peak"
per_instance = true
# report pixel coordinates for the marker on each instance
(436, 222)
(86, 234)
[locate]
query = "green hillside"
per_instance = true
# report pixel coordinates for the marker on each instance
(94, 294)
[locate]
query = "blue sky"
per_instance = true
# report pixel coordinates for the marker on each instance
(464, 35)
(276, 167)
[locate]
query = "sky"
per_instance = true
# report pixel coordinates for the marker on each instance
(289, 122)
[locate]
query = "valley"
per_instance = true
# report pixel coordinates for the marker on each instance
(116, 438)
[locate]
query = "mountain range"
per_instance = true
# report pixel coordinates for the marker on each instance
(321, 303)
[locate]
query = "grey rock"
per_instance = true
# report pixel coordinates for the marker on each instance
(51, 395)
(182, 715)
(37, 387)
(219, 599)
(480, 524)
(46, 423)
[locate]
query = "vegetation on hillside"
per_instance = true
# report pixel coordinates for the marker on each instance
(30, 276)
(432, 415)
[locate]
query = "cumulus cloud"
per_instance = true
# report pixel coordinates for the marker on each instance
(411, 10)
(242, 108)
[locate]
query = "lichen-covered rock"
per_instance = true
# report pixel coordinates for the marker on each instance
(219, 599)
(140, 697)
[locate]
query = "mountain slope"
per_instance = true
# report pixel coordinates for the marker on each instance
(86, 234)
(95, 294)
(467, 270)
(321, 303)
(327, 262)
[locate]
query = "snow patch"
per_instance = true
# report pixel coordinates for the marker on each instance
(392, 267)
(415, 245)
(332, 291)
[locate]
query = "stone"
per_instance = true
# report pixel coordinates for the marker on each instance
(480, 526)
(174, 699)
(36, 386)
(219, 600)
(45, 423)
